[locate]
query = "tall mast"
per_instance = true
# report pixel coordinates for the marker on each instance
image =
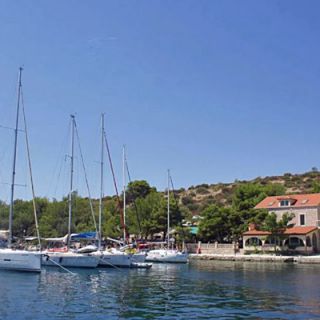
(30, 171)
(168, 209)
(101, 179)
(14, 160)
(71, 179)
(124, 191)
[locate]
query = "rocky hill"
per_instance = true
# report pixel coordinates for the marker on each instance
(194, 199)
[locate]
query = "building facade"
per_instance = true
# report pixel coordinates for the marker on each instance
(303, 237)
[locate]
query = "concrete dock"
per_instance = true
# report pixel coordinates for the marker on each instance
(315, 259)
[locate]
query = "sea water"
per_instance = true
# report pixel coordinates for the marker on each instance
(199, 290)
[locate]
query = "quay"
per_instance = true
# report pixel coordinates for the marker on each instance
(314, 259)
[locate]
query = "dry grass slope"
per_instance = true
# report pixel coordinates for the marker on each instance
(194, 199)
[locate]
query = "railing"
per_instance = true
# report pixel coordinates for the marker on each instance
(212, 248)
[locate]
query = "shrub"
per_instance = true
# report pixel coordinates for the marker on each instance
(186, 200)
(202, 190)
(204, 185)
(193, 207)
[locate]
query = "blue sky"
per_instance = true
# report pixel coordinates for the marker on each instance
(213, 90)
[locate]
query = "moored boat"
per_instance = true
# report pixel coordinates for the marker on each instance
(141, 265)
(20, 260)
(69, 259)
(108, 257)
(11, 258)
(139, 257)
(167, 256)
(114, 258)
(64, 256)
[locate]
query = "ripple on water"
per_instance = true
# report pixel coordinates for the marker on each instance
(196, 291)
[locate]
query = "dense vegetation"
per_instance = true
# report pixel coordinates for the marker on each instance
(222, 211)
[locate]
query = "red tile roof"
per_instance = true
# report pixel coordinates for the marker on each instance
(298, 200)
(301, 230)
(256, 233)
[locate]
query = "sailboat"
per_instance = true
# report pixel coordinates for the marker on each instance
(64, 256)
(108, 257)
(167, 255)
(137, 257)
(10, 258)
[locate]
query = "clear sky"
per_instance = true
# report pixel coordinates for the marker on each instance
(213, 90)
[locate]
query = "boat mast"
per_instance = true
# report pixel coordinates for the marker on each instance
(71, 179)
(124, 192)
(101, 179)
(114, 182)
(30, 171)
(14, 160)
(168, 210)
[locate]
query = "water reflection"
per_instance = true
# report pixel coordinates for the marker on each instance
(14, 293)
(202, 290)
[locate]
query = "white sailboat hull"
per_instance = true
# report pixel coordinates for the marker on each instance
(70, 260)
(20, 260)
(167, 256)
(139, 257)
(118, 259)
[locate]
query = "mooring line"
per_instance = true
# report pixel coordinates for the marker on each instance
(59, 265)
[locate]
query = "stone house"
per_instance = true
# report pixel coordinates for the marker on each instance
(303, 238)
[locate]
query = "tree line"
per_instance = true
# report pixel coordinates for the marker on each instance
(146, 214)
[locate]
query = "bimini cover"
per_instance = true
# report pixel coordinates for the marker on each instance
(84, 236)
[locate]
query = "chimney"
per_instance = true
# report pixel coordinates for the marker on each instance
(252, 226)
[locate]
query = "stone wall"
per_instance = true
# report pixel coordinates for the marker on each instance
(212, 248)
(311, 215)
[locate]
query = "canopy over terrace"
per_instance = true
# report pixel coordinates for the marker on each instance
(300, 239)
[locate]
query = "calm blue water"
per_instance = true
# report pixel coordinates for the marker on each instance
(202, 290)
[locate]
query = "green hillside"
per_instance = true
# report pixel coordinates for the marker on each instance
(221, 211)
(196, 198)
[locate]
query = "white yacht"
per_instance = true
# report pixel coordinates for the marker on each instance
(139, 257)
(64, 256)
(108, 257)
(167, 255)
(114, 258)
(10, 258)
(20, 260)
(69, 259)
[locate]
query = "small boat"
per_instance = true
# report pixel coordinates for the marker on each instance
(141, 265)
(88, 249)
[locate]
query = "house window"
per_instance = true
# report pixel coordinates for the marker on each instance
(284, 203)
(302, 220)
